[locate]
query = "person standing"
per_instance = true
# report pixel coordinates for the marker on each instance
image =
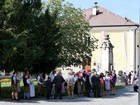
(52, 75)
(32, 88)
(96, 84)
(129, 78)
(14, 86)
(135, 76)
(107, 82)
(132, 77)
(125, 78)
(70, 84)
(18, 83)
(26, 85)
(113, 82)
(88, 84)
(102, 83)
(48, 88)
(40, 84)
(58, 81)
(80, 83)
(76, 84)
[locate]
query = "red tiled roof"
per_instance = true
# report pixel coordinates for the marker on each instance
(106, 18)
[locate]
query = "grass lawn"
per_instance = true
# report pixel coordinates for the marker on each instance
(119, 87)
(6, 89)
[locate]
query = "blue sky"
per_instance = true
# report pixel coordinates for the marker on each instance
(124, 8)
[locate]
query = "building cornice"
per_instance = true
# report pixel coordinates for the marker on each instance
(115, 28)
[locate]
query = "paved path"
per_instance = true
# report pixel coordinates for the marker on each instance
(123, 97)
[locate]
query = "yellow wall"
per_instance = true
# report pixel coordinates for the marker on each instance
(122, 55)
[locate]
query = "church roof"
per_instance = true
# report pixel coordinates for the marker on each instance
(106, 18)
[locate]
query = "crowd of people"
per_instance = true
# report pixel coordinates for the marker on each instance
(130, 77)
(29, 90)
(85, 83)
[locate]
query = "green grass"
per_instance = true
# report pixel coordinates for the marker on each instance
(8, 84)
(119, 87)
(6, 89)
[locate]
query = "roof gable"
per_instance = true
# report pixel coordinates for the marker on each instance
(106, 18)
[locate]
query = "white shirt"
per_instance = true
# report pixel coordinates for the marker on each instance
(52, 77)
(70, 79)
(38, 80)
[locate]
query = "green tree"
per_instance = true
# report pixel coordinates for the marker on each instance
(18, 19)
(42, 37)
(73, 27)
(63, 29)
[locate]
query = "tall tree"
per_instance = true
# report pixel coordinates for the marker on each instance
(43, 38)
(74, 28)
(20, 19)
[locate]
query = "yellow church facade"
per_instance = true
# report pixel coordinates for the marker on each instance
(124, 36)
